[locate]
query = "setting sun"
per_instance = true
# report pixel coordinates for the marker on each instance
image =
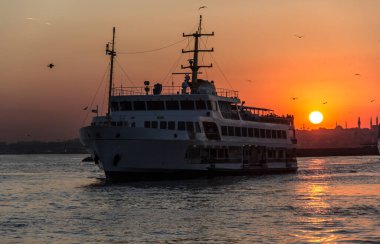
(316, 117)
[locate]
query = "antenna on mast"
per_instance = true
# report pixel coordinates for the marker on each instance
(111, 52)
(193, 63)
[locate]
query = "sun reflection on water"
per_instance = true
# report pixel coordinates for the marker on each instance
(316, 225)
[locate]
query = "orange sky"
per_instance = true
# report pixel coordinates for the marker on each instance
(254, 40)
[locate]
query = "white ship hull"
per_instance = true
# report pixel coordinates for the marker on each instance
(133, 155)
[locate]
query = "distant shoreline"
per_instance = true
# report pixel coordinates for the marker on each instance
(75, 147)
(328, 152)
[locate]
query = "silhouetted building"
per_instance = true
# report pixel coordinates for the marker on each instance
(338, 137)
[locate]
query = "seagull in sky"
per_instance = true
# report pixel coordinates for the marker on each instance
(294, 98)
(298, 36)
(202, 7)
(324, 103)
(357, 74)
(51, 65)
(249, 80)
(371, 101)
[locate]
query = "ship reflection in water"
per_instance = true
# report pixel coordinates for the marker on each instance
(57, 198)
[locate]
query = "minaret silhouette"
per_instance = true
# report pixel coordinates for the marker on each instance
(377, 120)
(359, 123)
(370, 122)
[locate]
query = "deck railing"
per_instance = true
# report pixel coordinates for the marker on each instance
(167, 90)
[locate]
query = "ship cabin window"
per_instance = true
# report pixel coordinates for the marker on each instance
(125, 106)
(187, 105)
(279, 134)
(209, 106)
(283, 134)
(171, 125)
(262, 133)
(200, 105)
(224, 106)
(190, 126)
(237, 131)
(155, 105)
(271, 153)
(172, 105)
(147, 124)
(281, 153)
(224, 130)
(244, 131)
(274, 134)
(211, 130)
(231, 131)
(139, 105)
(228, 110)
(181, 125)
(250, 132)
(163, 124)
(256, 132)
(268, 133)
(154, 124)
(197, 127)
(114, 106)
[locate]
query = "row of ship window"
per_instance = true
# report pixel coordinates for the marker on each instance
(171, 125)
(253, 132)
(164, 105)
(226, 130)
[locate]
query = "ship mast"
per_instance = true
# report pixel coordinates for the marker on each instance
(193, 63)
(111, 52)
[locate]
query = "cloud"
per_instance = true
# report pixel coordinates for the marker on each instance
(48, 23)
(30, 18)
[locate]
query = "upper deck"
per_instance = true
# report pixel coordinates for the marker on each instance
(170, 90)
(174, 98)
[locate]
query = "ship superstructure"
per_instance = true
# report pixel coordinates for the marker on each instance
(192, 129)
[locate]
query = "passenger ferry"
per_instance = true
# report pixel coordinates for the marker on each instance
(190, 130)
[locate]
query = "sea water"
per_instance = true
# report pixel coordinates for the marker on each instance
(58, 198)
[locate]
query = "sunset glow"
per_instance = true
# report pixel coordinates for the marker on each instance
(316, 51)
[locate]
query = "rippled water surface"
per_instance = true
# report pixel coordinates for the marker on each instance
(57, 198)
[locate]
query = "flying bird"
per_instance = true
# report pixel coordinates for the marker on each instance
(51, 65)
(85, 108)
(371, 101)
(298, 36)
(249, 80)
(294, 98)
(357, 74)
(202, 7)
(324, 103)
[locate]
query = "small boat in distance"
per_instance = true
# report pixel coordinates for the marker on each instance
(190, 130)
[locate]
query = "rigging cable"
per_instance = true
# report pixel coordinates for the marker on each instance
(153, 50)
(221, 71)
(96, 93)
(125, 73)
(175, 63)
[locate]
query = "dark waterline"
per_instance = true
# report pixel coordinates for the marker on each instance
(58, 198)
